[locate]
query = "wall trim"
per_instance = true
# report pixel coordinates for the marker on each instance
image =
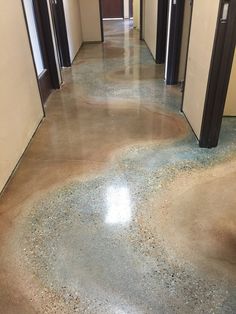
(20, 159)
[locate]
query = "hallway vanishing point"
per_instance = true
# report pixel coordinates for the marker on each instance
(114, 208)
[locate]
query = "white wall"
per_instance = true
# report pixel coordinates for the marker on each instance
(90, 20)
(73, 25)
(150, 24)
(199, 59)
(126, 9)
(20, 104)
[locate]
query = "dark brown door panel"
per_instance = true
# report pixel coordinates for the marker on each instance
(112, 9)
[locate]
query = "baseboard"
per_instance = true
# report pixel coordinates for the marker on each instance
(20, 159)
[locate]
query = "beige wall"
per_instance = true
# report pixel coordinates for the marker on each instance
(20, 105)
(184, 42)
(230, 105)
(136, 11)
(199, 59)
(73, 25)
(150, 24)
(90, 20)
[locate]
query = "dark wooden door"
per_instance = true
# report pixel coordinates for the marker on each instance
(112, 8)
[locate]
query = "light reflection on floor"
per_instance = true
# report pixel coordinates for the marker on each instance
(119, 209)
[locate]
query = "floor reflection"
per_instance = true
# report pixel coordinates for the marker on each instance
(119, 209)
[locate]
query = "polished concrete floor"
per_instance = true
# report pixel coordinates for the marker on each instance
(114, 208)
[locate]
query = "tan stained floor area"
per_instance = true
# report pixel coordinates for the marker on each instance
(115, 127)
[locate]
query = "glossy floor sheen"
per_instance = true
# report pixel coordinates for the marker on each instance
(114, 208)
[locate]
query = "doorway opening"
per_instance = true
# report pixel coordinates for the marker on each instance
(44, 54)
(165, 29)
(127, 11)
(46, 25)
(179, 24)
(38, 46)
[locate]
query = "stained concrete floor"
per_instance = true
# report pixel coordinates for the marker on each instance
(114, 208)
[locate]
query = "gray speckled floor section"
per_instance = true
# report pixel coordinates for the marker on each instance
(85, 240)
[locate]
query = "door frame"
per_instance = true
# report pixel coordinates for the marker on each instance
(186, 61)
(41, 12)
(219, 76)
(141, 20)
(49, 78)
(44, 31)
(162, 20)
(176, 14)
(59, 21)
(32, 54)
(101, 21)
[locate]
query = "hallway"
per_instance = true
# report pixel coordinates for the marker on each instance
(114, 208)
